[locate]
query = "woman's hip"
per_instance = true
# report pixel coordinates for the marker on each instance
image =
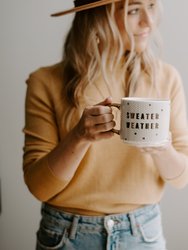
(137, 230)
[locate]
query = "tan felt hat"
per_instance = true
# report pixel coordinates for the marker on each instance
(81, 5)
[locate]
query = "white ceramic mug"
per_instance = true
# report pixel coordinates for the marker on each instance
(144, 121)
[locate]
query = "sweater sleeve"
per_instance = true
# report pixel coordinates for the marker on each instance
(41, 136)
(179, 127)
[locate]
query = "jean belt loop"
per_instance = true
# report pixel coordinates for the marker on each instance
(133, 224)
(73, 228)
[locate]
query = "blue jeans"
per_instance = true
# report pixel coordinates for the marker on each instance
(137, 230)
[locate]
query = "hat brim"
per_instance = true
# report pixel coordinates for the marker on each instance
(84, 7)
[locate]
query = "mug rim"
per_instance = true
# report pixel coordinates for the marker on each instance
(145, 99)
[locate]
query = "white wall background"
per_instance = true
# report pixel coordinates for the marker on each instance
(30, 39)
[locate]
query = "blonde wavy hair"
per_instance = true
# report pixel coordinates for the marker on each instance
(84, 60)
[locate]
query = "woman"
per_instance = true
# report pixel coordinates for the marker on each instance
(96, 192)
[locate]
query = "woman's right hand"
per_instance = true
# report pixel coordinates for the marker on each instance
(96, 122)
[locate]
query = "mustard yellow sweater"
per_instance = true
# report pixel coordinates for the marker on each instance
(112, 177)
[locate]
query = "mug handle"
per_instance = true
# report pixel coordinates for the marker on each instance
(116, 105)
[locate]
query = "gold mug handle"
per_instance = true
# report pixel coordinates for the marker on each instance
(116, 105)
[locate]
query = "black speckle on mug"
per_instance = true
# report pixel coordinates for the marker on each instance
(150, 104)
(162, 110)
(143, 138)
(135, 133)
(128, 103)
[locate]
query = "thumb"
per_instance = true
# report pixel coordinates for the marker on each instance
(106, 101)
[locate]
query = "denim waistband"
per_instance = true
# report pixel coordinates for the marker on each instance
(109, 223)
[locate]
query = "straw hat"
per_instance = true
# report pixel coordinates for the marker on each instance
(81, 5)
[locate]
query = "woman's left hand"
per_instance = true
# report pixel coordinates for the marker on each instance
(170, 163)
(158, 149)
